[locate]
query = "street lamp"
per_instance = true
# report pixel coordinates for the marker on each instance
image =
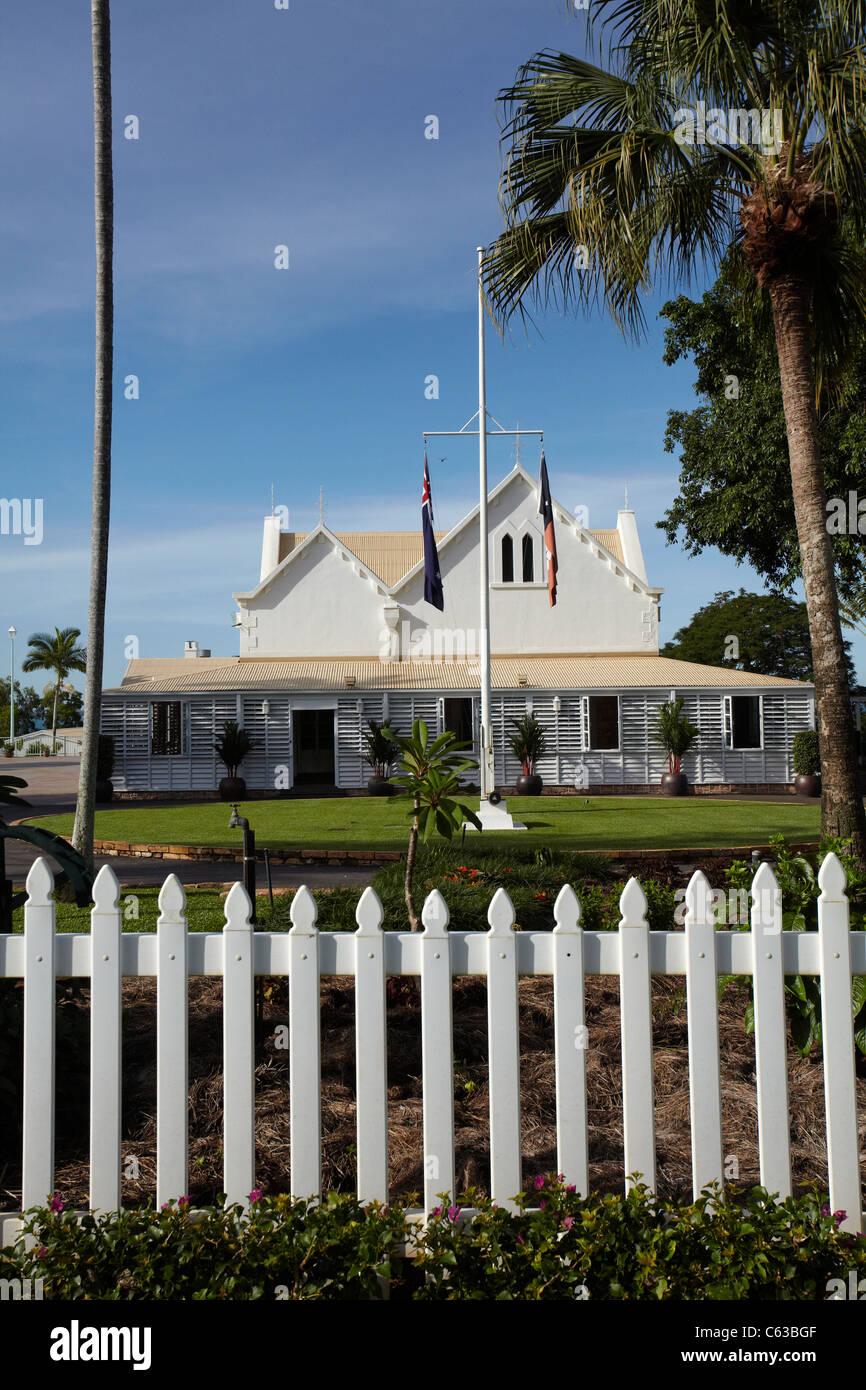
(12, 635)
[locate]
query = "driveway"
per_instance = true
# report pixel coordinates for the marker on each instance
(52, 786)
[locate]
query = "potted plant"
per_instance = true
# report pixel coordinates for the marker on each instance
(8, 749)
(676, 734)
(806, 758)
(104, 767)
(380, 753)
(232, 747)
(527, 743)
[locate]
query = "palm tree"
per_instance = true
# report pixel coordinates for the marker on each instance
(610, 177)
(59, 654)
(100, 23)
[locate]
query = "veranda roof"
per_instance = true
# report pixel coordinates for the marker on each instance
(185, 675)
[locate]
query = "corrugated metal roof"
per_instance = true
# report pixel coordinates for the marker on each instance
(391, 554)
(611, 541)
(164, 675)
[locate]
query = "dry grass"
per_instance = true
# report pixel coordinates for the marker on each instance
(471, 1093)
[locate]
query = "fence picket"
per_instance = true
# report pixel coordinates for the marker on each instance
(437, 1053)
(106, 978)
(172, 1044)
(503, 1026)
(39, 1030)
(305, 1048)
(705, 1094)
(371, 1050)
(635, 1003)
(239, 1067)
(570, 1041)
(771, 1061)
(837, 1036)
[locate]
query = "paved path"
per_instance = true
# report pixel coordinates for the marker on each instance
(52, 785)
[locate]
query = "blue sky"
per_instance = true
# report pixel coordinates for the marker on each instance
(261, 127)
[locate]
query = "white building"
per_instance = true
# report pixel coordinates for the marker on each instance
(337, 631)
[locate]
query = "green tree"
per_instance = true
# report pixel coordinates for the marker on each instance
(70, 705)
(103, 187)
(430, 772)
(60, 654)
(29, 713)
(610, 179)
(770, 636)
(735, 477)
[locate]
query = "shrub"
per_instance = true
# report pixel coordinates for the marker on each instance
(528, 742)
(556, 1245)
(805, 754)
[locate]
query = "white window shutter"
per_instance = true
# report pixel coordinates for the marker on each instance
(729, 722)
(584, 722)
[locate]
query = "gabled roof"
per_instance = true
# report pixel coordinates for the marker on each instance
(394, 557)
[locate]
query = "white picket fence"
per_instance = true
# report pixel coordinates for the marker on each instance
(699, 952)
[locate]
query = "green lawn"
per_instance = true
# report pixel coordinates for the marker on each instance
(573, 822)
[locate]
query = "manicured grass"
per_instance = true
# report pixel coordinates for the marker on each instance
(573, 822)
(140, 908)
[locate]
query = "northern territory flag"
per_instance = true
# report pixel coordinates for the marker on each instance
(433, 591)
(545, 509)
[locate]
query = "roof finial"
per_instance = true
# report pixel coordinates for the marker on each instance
(321, 506)
(272, 499)
(626, 494)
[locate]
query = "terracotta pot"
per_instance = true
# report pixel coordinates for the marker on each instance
(528, 784)
(674, 784)
(8, 753)
(379, 786)
(104, 791)
(233, 789)
(807, 784)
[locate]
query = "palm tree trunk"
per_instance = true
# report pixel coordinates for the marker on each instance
(841, 802)
(54, 716)
(82, 837)
(414, 920)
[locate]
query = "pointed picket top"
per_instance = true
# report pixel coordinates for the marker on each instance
(435, 914)
(369, 914)
(633, 905)
(172, 900)
(106, 890)
(766, 896)
(765, 880)
(40, 883)
(500, 914)
(832, 879)
(566, 910)
(699, 899)
(238, 909)
(303, 912)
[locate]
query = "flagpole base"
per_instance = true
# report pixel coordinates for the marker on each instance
(495, 818)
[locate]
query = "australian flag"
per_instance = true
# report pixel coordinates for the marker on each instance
(433, 591)
(545, 510)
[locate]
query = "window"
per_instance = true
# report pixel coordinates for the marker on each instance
(601, 722)
(528, 569)
(507, 560)
(166, 727)
(743, 721)
(457, 717)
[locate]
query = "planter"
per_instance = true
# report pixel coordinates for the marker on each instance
(232, 788)
(46, 752)
(378, 786)
(104, 791)
(674, 784)
(807, 784)
(528, 784)
(8, 752)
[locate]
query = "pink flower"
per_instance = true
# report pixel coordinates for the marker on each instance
(520, 1240)
(55, 1204)
(542, 1204)
(437, 1211)
(568, 1222)
(539, 1183)
(256, 1194)
(571, 1188)
(453, 1213)
(41, 1252)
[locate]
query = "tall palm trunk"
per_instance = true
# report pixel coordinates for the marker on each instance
(54, 715)
(104, 218)
(842, 803)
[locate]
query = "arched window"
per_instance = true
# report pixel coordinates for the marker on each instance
(528, 564)
(507, 560)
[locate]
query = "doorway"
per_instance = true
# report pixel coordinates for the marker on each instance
(313, 745)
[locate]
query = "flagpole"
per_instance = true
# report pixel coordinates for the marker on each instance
(486, 750)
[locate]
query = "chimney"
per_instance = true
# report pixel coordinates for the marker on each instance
(626, 525)
(270, 546)
(190, 649)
